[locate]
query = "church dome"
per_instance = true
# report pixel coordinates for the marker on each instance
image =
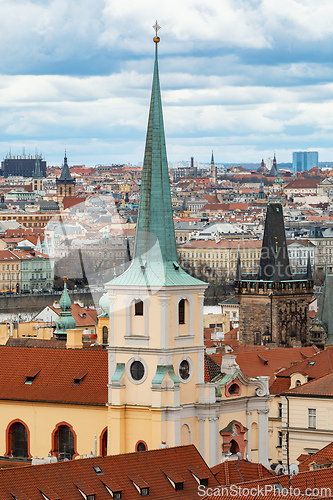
(104, 304)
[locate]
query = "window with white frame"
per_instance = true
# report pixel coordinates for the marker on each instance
(312, 418)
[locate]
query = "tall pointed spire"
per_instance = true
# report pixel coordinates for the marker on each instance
(155, 259)
(213, 170)
(155, 219)
(65, 173)
(308, 267)
(274, 261)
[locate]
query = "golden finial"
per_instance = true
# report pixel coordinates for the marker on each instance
(156, 27)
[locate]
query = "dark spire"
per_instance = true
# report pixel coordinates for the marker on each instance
(274, 260)
(37, 171)
(274, 171)
(65, 173)
(308, 267)
(212, 160)
(239, 269)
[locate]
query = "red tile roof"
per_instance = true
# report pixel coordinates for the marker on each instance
(322, 386)
(84, 317)
(222, 244)
(239, 471)
(267, 362)
(57, 369)
(71, 202)
(303, 184)
(118, 473)
(311, 480)
(314, 366)
(280, 384)
(326, 452)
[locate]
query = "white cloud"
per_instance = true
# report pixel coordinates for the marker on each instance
(232, 73)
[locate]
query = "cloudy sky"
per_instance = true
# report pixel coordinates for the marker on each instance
(242, 77)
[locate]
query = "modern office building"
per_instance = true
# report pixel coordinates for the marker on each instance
(304, 160)
(23, 166)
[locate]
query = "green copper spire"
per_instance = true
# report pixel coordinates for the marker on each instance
(66, 320)
(155, 221)
(155, 260)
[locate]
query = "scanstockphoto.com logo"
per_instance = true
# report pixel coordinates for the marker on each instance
(267, 490)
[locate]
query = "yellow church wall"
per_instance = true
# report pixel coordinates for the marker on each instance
(184, 329)
(141, 393)
(191, 437)
(101, 322)
(41, 420)
(137, 324)
(129, 425)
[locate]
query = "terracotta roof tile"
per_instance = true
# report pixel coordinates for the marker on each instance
(239, 471)
(212, 368)
(322, 386)
(278, 359)
(55, 380)
(315, 366)
(326, 452)
(64, 479)
(321, 479)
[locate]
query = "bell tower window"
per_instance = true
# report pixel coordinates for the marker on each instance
(181, 312)
(138, 311)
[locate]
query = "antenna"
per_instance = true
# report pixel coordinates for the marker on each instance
(293, 470)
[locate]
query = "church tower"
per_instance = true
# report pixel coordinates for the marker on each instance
(156, 348)
(274, 295)
(65, 183)
(37, 177)
(213, 170)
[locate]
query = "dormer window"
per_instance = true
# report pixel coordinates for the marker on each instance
(31, 375)
(113, 488)
(175, 479)
(79, 377)
(140, 484)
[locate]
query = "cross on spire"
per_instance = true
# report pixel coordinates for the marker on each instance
(156, 27)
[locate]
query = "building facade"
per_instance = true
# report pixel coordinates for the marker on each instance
(23, 166)
(304, 160)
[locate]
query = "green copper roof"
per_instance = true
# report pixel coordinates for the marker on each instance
(155, 256)
(66, 320)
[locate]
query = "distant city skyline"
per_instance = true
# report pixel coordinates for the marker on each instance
(242, 78)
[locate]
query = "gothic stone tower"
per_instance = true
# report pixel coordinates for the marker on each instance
(274, 304)
(65, 183)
